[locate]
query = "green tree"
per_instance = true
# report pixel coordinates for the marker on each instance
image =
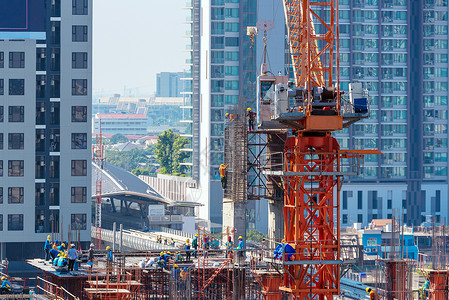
(118, 138)
(169, 154)
(164, 150)
(254, 235)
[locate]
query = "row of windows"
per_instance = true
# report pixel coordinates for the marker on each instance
(16, 167)
(15, 222)
(17, 87)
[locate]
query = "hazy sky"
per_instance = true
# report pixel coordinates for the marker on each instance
(135, 39)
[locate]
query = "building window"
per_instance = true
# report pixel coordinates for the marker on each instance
(16, 114)
(1, 141)
(359, 218)
(1, 113)
(79, 113)
(17, 59)
(1, 222)
(232, 42)
(1, 195)
(79, 194)
(79, 7)
(345, 219)
(2, 59)
(2, 86)
(15, 222)
(15, 195)
(79, 87)
(79, 167)
(79, 33)
(15, 168)
(79, 140)
(15, 141)
(1, 168)
(359, 200)
(79, 221)
(79, 60)
(16, 87)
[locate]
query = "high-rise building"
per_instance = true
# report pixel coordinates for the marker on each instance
(398, 49)
(222, 72)
(45, 136)
(169, 84)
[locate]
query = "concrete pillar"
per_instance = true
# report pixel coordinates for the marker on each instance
(275, 222)
(234, 219)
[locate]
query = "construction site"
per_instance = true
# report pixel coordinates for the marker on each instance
(284, 152)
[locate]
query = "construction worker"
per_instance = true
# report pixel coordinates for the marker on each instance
(206, 244)
(73, 256)
(61, 247)
(279, 250)
(179, 257)
(109, 258)
(90, 256)
(184, 273)
(55, 245)
(229, 117)
(172, 242)
(195, 245)
(425, 289)
(372, 293)
(240, 246)
(187, 249)
(47, 247)
(223, 177)
(229, 245)
(6, 287)
(251, 116)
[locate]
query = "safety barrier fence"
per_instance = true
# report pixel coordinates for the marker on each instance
(52, 290)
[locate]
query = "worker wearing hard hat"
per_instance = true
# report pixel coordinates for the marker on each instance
(47, 247)
(240, 247)
(372, 293)
(229, 245)
(223, 177)
(251, 117)
(229, 117)
(73, 256)
(195, 245)
(187, 249)
(6, 287)
(109, 258)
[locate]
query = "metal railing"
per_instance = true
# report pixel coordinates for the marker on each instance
(178, 232)
(134, 240)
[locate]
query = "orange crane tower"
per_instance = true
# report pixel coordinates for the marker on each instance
(313, 164)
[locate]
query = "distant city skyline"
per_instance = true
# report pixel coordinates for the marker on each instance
(148, 39)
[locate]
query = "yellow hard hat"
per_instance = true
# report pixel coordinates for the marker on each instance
(248, 109)
(283, 240)
(63, 245)
(175, 265)
(177, 252)
(168, 252)
(3, 278)
(187, 240)
(368, 289)
(162, 253)
(107, 248)
(196, 235)
(48, 237)
(240, 237)
(226, 114)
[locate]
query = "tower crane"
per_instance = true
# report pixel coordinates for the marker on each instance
(313, 163)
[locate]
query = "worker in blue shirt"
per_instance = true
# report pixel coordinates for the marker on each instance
(425, 289)
(6, 287)
(73, 256)
(279, 250)
(109, 258)
(240, 246)
(187, 248)
(47, 248)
